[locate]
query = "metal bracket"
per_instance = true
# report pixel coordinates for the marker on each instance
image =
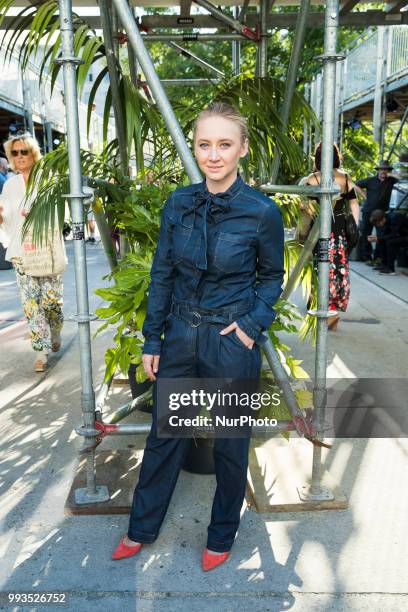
(305, 494)
(322, 314)
(330, 56)
(101, 429)
(83, 318)
(327, 191)
(87, 431)
(69, 60)
(87, 195)
(70, 196)
(83, 497)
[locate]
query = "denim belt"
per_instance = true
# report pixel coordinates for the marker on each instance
(197, 316)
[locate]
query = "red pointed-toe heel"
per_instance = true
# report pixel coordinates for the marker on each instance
(122, 551)
(209, 562)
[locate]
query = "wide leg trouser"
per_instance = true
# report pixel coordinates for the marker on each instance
(195, 352)
(41, 298)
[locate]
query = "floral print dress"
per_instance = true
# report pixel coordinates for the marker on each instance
(41, 299)
(339, 274)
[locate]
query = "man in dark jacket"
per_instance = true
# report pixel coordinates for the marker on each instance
(392, 234)
(377, 197)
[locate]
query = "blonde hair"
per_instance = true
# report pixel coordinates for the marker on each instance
(223, 109)
(31, 144)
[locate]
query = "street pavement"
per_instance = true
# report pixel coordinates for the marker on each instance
(331, 560)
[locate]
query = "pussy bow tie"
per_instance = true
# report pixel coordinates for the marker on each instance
(208, 204)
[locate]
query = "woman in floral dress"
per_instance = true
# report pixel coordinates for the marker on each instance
(41, 296)
(339, 285)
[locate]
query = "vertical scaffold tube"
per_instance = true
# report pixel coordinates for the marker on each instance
(263, 43)
(329, 92)
(291, 78)
(135, 40)
(91, 493)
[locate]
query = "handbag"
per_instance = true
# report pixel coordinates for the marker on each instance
(351, 228)
(46, 259)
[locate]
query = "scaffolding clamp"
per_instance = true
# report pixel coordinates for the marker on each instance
(101, 430)
(322, 314)
(324, 57)
(83, 318)
(305, 427)
(248, 33)
(70, 59)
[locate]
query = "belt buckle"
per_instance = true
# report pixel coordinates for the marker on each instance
(196, 314)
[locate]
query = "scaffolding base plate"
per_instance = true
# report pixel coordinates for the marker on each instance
(119, 470)
(279, 470)
(83, 497)
(324, 495)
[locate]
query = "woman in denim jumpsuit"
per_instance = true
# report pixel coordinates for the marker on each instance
(216, 275)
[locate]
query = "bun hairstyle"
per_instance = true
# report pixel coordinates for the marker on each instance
(223, 109)
(318, 157)
(29, 142)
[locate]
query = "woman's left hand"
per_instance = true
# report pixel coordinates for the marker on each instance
(249, 342)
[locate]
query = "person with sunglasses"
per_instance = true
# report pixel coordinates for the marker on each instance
(41, 296)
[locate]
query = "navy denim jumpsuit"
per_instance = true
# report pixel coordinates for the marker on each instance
(219, 259)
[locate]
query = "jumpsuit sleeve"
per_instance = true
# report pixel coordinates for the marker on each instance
(270, 273)
(162, 276)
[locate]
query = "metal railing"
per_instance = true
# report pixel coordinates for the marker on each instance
(358, 71)
(398, 58)
(359, 67)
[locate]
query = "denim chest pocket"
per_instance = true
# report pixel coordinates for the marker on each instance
(231, 252)
(179, 240)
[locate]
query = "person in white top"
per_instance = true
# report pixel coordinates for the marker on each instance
(41, 296)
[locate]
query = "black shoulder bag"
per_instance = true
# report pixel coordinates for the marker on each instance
(352, 233)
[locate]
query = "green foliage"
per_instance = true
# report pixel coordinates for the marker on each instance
(50, 178)
(126, 311)
(286, 315)
(360, 152)
(138, 214)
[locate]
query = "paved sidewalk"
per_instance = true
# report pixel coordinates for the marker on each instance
(348, 560)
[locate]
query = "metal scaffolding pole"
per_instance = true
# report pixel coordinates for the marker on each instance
(196, 60)
(28, 109)
(305, 126)
(307, 250)
(144, 59)
(193, 37)
(133, 67)
(378, 92)
(48, 133)
(230, 21)
(315, 491)
(114, 82)
(91, 493)
(187, 82)
(291, 78)
(398, 134)
(263, 43)
(236, 49)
